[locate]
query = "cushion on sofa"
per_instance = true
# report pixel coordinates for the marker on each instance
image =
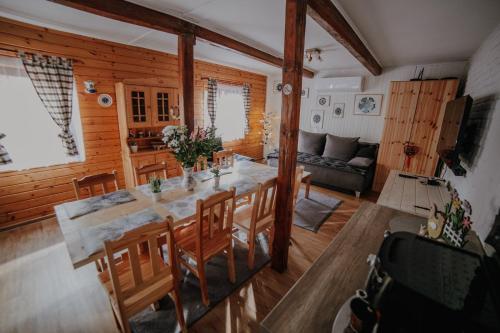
(340, 148)
(366, 151)
(311, 143)
(360, 162)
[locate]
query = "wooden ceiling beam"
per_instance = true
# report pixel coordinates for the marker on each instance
(329, 18)
(135, 14)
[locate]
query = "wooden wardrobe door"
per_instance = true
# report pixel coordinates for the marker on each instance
(397, 129)
(138, 106)
(427, 122)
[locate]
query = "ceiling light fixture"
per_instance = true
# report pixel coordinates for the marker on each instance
(313, 53)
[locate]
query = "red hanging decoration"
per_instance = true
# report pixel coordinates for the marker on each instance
(410, 151)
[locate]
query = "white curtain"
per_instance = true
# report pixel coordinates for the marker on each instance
(230, 120)
(31, 134)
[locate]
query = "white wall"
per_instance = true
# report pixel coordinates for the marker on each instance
(369, 128)
(481, 185)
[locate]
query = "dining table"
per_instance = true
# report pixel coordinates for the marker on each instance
(87, 223)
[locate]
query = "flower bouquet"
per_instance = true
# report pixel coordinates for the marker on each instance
(187, 147)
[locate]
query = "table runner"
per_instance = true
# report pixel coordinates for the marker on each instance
(83, 207)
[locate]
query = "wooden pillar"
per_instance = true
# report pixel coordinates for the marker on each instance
(185, 53)
(295, 24)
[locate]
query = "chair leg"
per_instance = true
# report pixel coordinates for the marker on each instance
(178, 308)
(203, 282)
(251, 251)
(230, 263)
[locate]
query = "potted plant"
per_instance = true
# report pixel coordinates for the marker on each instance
(187, 147)
(216, 171)
(155, 186)
(134, 147)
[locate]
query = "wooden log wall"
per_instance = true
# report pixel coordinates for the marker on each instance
(31, 194)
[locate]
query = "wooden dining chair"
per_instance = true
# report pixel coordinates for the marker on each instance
(201, 164)
(299, 173)
(156, 170)
(224, 158)
(91, 182)
(141, 279)
(209, 235)
(257, 217)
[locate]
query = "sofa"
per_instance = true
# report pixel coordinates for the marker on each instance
(335, 162)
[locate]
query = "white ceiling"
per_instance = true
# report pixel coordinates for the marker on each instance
(399, 32)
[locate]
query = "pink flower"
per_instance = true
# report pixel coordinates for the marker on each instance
(466, 222)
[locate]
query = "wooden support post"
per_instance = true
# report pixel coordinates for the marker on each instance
(185, 55)
(295, 24)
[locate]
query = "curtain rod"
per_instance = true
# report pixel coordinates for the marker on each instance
(228, 82)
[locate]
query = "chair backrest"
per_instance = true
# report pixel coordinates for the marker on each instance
(224, 158)
(201, 164)
(264, 203)
(158, 170)
(101, 180)
(299, 171)
(214, 216)
(128, 245)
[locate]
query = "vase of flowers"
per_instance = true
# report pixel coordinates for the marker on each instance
(155, 187)
(187, 147)
(216, 172)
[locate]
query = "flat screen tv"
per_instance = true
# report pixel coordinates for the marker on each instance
(452, 138)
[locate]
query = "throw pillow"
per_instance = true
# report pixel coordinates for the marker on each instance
(311, 143)
(360, 162)
(340, 148)
(367, 151)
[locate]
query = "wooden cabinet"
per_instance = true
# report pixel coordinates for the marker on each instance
(413, 119)
(150, 106)
(143, 110)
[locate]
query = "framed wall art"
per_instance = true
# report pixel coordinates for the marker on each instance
(338, 110)
(323, 101)
(368, 105)
(317, 119)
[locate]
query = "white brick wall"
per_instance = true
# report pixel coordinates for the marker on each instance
(481, 185)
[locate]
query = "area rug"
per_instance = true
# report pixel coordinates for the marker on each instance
(164, 320)
(312, 212)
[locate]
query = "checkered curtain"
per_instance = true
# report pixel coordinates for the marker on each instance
(246, 104)
(52, 78)
(212, 100)
(4, 155)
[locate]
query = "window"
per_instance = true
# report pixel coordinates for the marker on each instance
(230, 114)
(31, 135)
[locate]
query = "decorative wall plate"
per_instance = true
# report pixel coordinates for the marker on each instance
(105, 100)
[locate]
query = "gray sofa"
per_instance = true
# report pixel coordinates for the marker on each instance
(335, 162)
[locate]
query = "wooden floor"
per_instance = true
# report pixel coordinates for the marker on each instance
(41, 292)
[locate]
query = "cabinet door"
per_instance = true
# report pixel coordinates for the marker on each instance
(138, 106)
(429, 113)
(397, 129)
(162, 100)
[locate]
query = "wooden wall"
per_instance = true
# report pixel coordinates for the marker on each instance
(30, 194)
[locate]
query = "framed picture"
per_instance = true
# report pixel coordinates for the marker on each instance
(305, 92)
(317, 118)
(338, 110)
(323, 101)
(368, 105)
(277, 87)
